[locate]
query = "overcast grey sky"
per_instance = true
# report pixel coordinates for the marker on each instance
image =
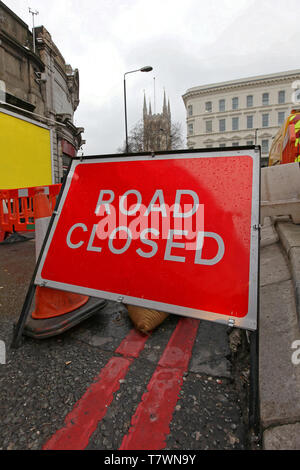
(187, 42)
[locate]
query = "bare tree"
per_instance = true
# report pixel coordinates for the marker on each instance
(154, 138)
(176, 136)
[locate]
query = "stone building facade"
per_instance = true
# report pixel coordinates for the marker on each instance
(39, 85)
(240, 112)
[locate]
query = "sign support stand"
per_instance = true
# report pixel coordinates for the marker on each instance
(19, 328)
(254, 409)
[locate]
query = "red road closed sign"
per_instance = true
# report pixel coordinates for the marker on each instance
(176, 232)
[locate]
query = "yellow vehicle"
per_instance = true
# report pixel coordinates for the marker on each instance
(25, 152)
(286, 143)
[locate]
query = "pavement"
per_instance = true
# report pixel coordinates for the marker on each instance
(279, 335)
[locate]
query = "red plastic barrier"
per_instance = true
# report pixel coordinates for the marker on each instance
(17, 207)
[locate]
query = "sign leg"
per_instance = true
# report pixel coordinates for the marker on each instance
(254, 411)
(23, 317)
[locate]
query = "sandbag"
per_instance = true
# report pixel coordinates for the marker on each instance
(144, 319)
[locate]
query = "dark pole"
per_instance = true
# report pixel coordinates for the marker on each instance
(147, 68)
(254, 409)
(125, 108)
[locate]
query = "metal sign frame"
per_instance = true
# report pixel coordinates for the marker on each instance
(249, 321)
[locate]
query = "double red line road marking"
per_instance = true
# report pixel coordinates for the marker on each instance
(151, 421)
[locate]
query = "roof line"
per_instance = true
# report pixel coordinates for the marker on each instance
(241, 81)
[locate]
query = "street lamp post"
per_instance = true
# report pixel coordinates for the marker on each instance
(33, 30)
(147, 68)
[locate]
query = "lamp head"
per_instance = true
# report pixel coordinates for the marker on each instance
(147, 68)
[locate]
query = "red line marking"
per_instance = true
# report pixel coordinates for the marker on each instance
(150, 423)
(178, 352)
(132, 345)
(83, 420)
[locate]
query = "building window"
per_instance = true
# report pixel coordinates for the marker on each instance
(281, 97)
(235, 144)
(265, 99)
(297, 96)
(191, 129)
(222, 105)
(190, 110)
(249, 122)
(249, 101)
(249, 142)
(209, 146)
(235, 124)
(208, 126)
(222, 144)
(265, 120)
(235, 103)
(281, 117)
(265, 146)
(208, 106)
(222, 125)
(66, 162)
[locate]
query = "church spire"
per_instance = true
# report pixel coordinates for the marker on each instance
(145, 107)
(165, 111)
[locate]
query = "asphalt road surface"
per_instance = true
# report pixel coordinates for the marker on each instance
(102, 385)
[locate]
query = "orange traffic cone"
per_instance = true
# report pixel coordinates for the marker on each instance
(50, 303)
(55, 311)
